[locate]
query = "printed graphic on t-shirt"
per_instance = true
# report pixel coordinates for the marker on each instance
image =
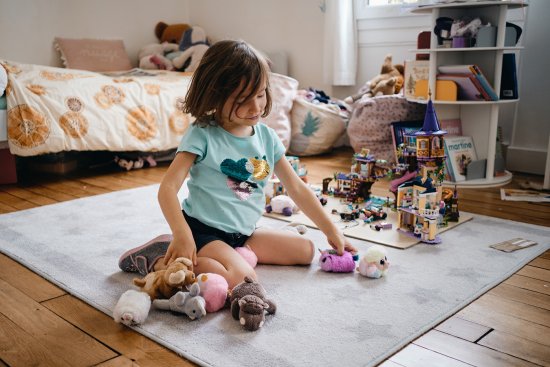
(241, 174)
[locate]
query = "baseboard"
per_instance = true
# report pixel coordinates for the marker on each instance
(527, 160)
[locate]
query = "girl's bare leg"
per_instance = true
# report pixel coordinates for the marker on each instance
(220, 258)
(281, 247)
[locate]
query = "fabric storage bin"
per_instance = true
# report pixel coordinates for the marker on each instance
(315, 127)
(370, 123)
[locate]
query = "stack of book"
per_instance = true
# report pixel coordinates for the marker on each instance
(472, 84)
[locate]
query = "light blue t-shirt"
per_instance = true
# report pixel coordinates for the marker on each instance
(229, 174)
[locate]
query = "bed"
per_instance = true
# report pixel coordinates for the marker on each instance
(51, 110)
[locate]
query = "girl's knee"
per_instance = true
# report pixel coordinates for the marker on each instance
(237, 276)
(307, 252)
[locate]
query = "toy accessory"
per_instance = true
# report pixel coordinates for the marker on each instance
(189, 303)
(132, 308)
(282, 204)
(165, 283)
(246, 288)
(330, 261)
(214, 289)
(375, 263)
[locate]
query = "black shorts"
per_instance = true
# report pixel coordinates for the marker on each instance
(204, 234)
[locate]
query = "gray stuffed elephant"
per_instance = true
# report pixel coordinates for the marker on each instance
(189, 303)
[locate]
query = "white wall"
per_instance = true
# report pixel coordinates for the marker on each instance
(295, 27)
(28, 27)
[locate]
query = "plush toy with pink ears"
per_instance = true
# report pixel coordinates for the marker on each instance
(330, 261)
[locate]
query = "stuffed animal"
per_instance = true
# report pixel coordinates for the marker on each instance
(246, 288)
(249, 255)
(153, 56)
(171, 33)
(132, 308)
(192, 48)
(389, 81)
(165, 283)
(375, 263)
(189, 303)
(214, 289)
(252, 312)
(330, 261)
(3, 80)
(282, 204)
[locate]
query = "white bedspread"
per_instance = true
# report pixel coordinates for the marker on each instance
(53, 109)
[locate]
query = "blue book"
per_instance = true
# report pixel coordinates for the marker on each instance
(509, 80)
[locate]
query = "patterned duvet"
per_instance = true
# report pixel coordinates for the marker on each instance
(53, 109)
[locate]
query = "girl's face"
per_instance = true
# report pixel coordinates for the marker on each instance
(246, 114)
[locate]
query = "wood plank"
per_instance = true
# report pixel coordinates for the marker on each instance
(463, 329)
(17, 348)
(528, 283)
(467, 352)
(540, 263)
(30, 196)
(535, 273)
(15, 202)
(413, 355)
(521, 295)
(26, 281)
(517, 347)
(120, 361)
(49, 330)
(120, 338)
(518, 309)
(56, 195)
(506, 323)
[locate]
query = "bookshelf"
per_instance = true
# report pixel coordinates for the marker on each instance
(479, 118)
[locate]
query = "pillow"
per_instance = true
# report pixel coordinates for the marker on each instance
(283, 91)
(93, 54)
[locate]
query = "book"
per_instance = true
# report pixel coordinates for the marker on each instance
(399, 131)
(452, 126)
(513, 244)
(415, 70)
(524, 195)
(509, 79)
(469, 88)
(476, 71)
(460, 152)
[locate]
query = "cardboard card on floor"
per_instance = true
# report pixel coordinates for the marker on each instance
(513, 244)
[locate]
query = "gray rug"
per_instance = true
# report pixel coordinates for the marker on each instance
(323, 319)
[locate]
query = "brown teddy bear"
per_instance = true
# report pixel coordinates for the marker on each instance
(165, 283)
(250, 311)
(389, 81)
(171, 33)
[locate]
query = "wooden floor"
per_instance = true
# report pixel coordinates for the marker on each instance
(40, 324)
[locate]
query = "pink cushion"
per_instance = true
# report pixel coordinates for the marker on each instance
(283, 91)
(93, 54)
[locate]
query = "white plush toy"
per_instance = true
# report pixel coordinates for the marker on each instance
(132, 308)
(153, 56)
(3, 80)
(282, 204)
(374, 264)
(192, 48)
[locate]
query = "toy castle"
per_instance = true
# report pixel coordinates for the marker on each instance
(419, 200)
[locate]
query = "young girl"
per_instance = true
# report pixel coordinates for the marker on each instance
(229, 156)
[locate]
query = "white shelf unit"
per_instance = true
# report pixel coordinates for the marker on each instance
(479, 118)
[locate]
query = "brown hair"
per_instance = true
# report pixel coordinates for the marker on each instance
(226, 66)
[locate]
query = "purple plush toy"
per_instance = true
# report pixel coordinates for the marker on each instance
(331, 262)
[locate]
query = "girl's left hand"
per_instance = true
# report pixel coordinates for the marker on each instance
(340, 243)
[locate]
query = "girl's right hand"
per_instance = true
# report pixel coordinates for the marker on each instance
(181, 247)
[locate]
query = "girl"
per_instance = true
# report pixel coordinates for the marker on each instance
(229, 157)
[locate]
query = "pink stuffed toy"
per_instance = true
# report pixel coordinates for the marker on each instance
(248, 255)
(375, 263)
(331, 262)
(213, 288)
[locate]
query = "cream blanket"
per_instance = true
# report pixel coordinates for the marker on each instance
(53, 109)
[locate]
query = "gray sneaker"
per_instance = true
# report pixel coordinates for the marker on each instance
(142, 259)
